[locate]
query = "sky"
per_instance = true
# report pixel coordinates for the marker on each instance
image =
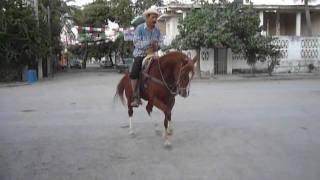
(280, 2)
(81, 2)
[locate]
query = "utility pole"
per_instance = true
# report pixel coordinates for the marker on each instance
(50, 64)
(39, 59)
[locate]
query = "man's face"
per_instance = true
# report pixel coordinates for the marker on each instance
(152, 20)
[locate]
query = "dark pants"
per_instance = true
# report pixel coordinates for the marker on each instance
(136, 68)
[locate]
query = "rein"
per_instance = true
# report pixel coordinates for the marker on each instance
(164, 83)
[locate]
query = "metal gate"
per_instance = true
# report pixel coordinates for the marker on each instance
(220, 61)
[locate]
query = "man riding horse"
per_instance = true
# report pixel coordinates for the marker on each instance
(147, 40)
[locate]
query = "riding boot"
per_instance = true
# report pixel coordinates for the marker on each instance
(136, 97)
(136, 101)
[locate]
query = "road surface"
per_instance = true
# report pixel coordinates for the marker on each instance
(68, 128)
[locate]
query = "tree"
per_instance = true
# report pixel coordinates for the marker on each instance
(244, 26)
(229, 25)
(142, 5)
(123, 48)
(122, 12)
(202, 28)
(59, 21)
(95, 14)
(192, 33)
(20, 41)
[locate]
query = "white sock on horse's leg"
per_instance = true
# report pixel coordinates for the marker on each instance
(167, 143)
(130, 126)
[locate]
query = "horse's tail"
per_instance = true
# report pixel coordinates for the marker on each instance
(120, 89)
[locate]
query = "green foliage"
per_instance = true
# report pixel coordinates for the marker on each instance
(192, 32)
(124, 48)
(122, 12)
(96, 14)
(142, 5)
(230, 25)
(20, 41)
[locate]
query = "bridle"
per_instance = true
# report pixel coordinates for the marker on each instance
(177, 85)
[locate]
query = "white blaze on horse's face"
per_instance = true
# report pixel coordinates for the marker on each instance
(184, 86)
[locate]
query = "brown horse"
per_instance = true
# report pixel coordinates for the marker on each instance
(166, 77)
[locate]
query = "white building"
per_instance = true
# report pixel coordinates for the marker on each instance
(282, 18)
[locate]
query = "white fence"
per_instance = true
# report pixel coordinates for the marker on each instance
(297, 54)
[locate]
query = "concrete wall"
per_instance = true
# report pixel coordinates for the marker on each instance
(206, 60)
(238, 62)
(280, 2)
(298, 53)
(171, 29)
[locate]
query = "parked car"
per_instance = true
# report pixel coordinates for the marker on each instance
(124, 65)
(106, 64)
(75, 64)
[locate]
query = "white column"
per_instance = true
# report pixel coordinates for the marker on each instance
(40, 72)
(49, 67)
(263, 32)
(229, 61)
(261, 18)
(298, 24)
(277, 23)
(184, 14)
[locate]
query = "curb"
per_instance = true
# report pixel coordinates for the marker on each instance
(14, 84)
(259, 77)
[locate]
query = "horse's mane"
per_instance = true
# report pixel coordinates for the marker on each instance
(175, 56)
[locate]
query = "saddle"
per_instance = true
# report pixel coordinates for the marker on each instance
(144, 74)
(147, 61)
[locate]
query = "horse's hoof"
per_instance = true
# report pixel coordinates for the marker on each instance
(167, 144)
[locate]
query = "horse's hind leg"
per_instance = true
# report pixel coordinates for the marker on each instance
(130, 112)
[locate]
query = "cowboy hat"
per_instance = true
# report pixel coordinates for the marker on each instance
(150, 11)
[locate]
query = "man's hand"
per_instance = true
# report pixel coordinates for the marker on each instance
(154, 45)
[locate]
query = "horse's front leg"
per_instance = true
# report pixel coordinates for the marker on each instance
(170, 126)
(130, 112)
(149, 108)
(167, 112)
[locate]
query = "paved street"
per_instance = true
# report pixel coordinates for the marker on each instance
(68, 128)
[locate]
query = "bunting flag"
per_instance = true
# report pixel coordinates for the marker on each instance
(128, 34)
(94, 36)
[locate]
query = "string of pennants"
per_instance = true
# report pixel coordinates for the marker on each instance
(93, 36)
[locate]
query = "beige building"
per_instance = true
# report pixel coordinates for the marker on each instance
(282, 18)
